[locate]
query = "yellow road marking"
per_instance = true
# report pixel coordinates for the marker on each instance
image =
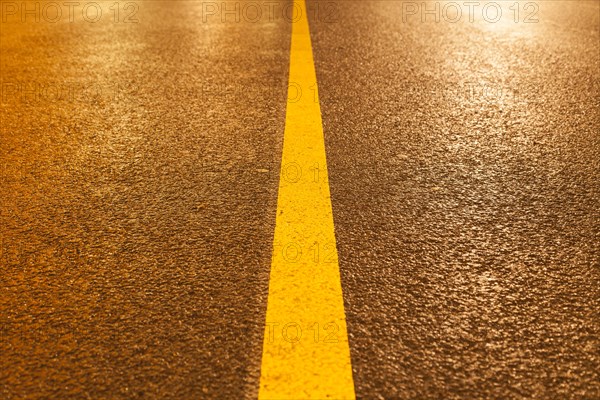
(305, 350)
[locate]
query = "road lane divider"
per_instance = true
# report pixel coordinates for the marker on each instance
(305, 349)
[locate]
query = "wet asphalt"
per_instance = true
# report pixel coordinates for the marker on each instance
(139, 186)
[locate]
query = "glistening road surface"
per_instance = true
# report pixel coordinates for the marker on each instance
(140, 181)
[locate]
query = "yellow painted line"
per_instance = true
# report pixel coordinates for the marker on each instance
(305, 349)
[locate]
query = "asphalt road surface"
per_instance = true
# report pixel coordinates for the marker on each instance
(141, 147)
